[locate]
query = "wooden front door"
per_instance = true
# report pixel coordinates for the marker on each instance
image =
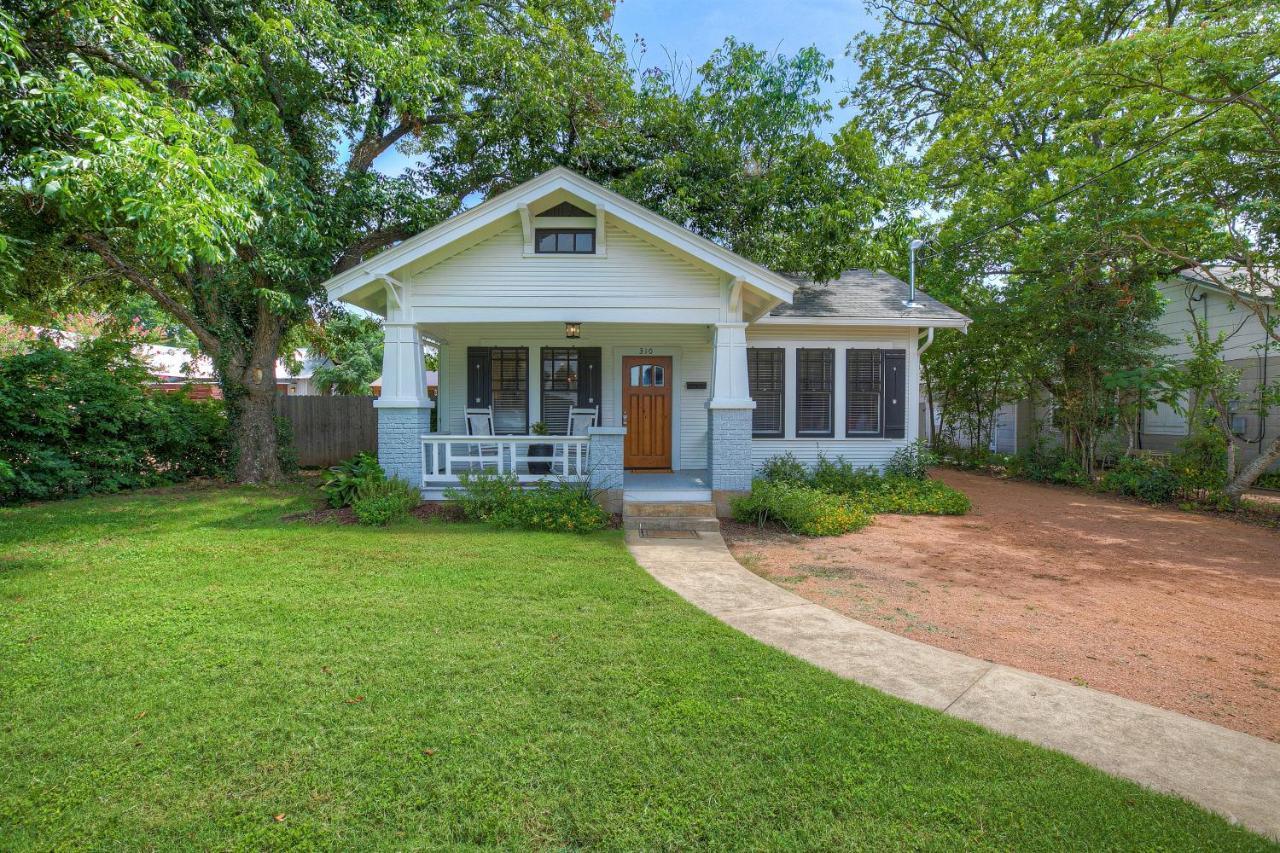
(646, 411)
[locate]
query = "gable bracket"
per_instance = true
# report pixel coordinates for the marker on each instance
(526, 223)
(395, 292)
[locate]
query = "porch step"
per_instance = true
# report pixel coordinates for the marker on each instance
(669, 509)
(670, 522)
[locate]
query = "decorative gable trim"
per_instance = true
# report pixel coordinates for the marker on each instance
(773, 286)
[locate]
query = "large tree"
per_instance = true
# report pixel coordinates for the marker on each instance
(1209, 86)
(220, 157)
(1041, 171)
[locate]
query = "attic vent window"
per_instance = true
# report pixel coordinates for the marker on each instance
(565, 241)
(564, 209)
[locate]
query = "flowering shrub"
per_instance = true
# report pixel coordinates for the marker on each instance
(800, 509)
(868, 490)
(566, 506)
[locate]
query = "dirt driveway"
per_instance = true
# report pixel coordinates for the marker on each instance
(1175, 609)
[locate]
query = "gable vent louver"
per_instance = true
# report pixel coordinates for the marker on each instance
(564, 208)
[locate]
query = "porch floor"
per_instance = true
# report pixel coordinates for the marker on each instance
(693, 484)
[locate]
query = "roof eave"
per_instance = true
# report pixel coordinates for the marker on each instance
(848, 320)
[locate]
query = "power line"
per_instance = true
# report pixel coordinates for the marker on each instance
(1142, 152)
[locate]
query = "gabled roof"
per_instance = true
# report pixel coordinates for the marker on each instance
(773, 285)
(863, 296)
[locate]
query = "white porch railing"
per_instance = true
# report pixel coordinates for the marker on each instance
(444, 457)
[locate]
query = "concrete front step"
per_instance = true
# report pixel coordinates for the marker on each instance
(669, 509)
(670, 522)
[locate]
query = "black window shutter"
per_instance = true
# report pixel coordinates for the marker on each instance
(589, 383)
(895, 393)
(479, 385)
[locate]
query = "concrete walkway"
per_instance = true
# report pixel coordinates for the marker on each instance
(1233, 774)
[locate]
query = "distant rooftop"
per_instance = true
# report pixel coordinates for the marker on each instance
(863, 294)
(1222, 276)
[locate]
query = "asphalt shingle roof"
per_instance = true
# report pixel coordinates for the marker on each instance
(870, 294)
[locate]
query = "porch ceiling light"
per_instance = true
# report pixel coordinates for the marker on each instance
(573, 330)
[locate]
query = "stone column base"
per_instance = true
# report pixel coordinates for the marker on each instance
(729, 448)
(400, 431)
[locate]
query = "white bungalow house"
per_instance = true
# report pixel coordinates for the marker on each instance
(694, 364)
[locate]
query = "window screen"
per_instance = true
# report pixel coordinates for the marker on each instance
(864, 392)
(766, 378)
(570, 377)
(509, 377)
(815, 385)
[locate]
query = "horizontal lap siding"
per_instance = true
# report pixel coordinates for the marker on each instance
(860, 452)
(689, 347)
(1224, 317)
(633, 275)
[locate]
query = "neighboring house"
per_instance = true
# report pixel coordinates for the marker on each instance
(561, 294)
(1191, 298)
(174, 368)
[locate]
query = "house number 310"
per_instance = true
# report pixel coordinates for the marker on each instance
(646, 350)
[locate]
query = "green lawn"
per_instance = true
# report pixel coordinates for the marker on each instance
(182, 667)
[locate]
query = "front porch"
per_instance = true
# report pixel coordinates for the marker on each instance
(664, 431)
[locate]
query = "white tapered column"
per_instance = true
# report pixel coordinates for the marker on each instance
(404, 410)
(729, 415)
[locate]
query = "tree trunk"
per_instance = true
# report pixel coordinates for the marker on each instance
(1254, 470)
(252, 395)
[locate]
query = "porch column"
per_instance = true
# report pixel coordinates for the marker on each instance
(404, 410)
(729, 416)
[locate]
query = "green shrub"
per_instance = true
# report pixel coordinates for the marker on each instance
(839, 477)
(1201, 462)
(483, 493)
(567, 507)
(186, 438)
(1142, 478)
(784, 468)
(82, 421)
(912, 461)
(343, 481)
(907, 490)
(1048, 463)
(906, 496)
(564, 506)
(380, 502)
(800, 509)
(1269, 480)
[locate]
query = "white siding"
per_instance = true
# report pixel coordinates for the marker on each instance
(861, 452)
(634, 281)
(688, 346)
(1223, 316)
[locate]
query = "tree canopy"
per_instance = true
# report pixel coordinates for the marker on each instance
(1078, 154)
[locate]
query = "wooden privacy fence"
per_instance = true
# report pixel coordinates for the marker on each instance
(327, 430)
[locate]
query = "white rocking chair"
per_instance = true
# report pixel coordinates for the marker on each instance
(581, 420)
(480, 422)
